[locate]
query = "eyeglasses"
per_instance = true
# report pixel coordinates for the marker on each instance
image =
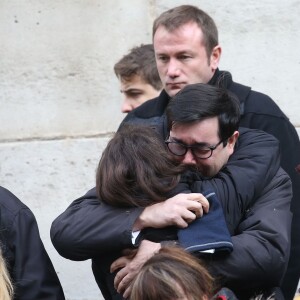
(200, 151)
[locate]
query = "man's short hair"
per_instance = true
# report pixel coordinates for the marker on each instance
(139, 61)
(176, 17)
(196, 102)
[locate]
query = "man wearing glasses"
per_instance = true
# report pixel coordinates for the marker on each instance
(189, 154)
(202, 137)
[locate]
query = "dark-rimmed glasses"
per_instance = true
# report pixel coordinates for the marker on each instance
(199, 151)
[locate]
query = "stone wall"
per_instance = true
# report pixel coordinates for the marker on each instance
(60, 99)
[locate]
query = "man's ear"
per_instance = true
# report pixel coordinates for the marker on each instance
(232, 140)
(215, 57)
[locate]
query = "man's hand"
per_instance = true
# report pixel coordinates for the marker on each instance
(130, 266)
(179, 210)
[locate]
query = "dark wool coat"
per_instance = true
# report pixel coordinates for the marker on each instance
(28, 263)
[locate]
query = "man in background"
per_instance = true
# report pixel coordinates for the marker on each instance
(138, 77)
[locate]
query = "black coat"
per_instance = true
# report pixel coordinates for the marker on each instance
(262, 194)
(258, 111)
(29, 265)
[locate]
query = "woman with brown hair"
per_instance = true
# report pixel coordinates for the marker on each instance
(173, 274)
(136, 169)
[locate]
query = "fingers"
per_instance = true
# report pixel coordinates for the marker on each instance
(200, 199)
(186, 207)
(179, 211)
(120, 282)
(197, 212)
(123, 280)
(183, 221)
(119, 263)
(124, 286)
(127, 292)
(130, 253)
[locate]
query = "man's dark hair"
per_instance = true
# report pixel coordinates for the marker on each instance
(196, 102)
(176, 17)
(136, 169)
(139, 61)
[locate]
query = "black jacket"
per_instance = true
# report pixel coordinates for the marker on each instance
(258, 111)
(29, 265)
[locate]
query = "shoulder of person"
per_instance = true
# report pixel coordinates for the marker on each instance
(252, 135)
(260, 103)
(14, 217)
(256, 102)
(9, 202)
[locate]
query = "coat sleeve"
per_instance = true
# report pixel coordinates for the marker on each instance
(264, 114)
(261, 244)
(89, 228)
(33, 273)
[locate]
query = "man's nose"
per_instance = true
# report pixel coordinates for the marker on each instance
(189, 158)
(173, 68)
(126, 107)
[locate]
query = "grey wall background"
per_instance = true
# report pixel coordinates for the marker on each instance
(60, 99)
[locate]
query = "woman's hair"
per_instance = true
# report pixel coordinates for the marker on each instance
(172, 274)
(136, 169)
(6, 287)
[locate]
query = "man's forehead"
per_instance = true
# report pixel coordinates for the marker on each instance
(178, 28)
(185, 40)
(204, 129)
(134, 82)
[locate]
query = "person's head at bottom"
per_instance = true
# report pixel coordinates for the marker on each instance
(172, 274)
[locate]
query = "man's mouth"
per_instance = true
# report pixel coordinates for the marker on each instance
(175, 85)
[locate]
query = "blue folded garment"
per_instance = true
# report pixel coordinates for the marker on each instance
(208, 233)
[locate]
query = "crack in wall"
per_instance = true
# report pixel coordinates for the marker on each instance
(57, 138)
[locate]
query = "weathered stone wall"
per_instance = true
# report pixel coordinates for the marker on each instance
(60, 99)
